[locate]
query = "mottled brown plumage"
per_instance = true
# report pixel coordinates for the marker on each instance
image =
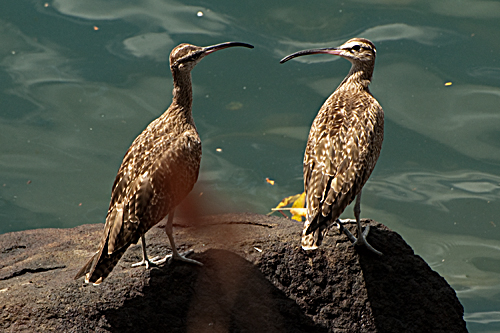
(343, 146)
(159, 169)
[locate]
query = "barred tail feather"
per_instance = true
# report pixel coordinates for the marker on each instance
(313, 233)
(100, 265)
(311, 241)
(85, 269)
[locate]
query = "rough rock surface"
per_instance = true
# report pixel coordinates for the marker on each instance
(255, 278)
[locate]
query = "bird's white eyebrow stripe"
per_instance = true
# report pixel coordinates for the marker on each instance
(350, 45)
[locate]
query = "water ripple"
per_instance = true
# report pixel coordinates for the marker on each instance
(483, 317)
(471, 265)
(437, 188)
(462, 117)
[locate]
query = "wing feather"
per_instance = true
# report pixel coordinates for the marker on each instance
(339, 156)
(155, 175)
(153, 190)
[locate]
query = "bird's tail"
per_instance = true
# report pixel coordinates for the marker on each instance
(100, 265)
(311, 241)
(313, 234)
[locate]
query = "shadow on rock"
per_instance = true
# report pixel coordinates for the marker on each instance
(227, 294)
(350, 289)
(405, 294)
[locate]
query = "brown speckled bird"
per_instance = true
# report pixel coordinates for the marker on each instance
(159, 169)
(343, 146)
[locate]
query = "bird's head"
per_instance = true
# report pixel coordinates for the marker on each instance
(185, 56)
(356, 50)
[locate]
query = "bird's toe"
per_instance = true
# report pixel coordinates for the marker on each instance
(363, 241)
(146, 262)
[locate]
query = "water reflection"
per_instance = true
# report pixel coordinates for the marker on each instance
(483, 317)
(166, 17)
(467, 8)
(154, 45)
(460, 260)
(459, 116)
(437, 188)
(464, 8)
(29, 62)
(173, 16)
(490, 73)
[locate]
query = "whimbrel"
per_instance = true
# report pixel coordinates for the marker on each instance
(159, 169)
(343, 146)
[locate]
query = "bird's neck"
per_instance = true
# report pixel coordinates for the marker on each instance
(359, 75)
(182, 99)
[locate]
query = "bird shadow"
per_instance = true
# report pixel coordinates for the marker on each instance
(226, 294)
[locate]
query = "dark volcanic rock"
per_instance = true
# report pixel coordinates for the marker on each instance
(355, 290)
(255, 278)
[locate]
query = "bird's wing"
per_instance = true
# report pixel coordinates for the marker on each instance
(146, 187)
(333, 163)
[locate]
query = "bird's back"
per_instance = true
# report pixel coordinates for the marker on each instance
(159, 169)
(343, 146)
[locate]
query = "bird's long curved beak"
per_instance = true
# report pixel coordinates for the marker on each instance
(329, 50)
(213, 48)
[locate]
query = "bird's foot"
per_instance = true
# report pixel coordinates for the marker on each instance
(344, 229)
(361, 240)
(146, 262)
(182, 257)
(177, 256)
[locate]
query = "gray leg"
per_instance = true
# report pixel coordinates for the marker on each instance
(175, 254)
(344, 230)
(145, 261)
(361, 240)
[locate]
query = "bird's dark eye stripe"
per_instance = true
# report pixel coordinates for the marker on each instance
(190, 57)
(358, 47)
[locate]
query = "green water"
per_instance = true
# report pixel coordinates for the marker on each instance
(80, 79)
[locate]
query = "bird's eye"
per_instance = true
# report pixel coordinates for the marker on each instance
(356, 48)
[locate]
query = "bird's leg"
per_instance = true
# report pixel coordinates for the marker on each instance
(145, 261)
(175, 254)
(362, 234)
